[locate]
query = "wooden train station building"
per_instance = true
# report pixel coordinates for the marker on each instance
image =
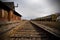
(8, 13)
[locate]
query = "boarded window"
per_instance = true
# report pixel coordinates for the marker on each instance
(6, 14)
(0, 13)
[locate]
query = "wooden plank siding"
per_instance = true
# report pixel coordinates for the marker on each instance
(3, 15)
(10, 15)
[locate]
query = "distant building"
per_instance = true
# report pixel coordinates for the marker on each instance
(52, 17)
(58, 18)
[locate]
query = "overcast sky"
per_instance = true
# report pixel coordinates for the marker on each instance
(30, 9)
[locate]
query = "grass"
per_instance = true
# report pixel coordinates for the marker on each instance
(55, 25)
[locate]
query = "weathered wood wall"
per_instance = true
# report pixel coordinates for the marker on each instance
(8, 15)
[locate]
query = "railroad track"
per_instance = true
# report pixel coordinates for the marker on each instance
(29, 31)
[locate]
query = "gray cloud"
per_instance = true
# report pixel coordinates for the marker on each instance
(32, 9)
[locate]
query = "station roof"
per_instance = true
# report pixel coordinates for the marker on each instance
(10, 4)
